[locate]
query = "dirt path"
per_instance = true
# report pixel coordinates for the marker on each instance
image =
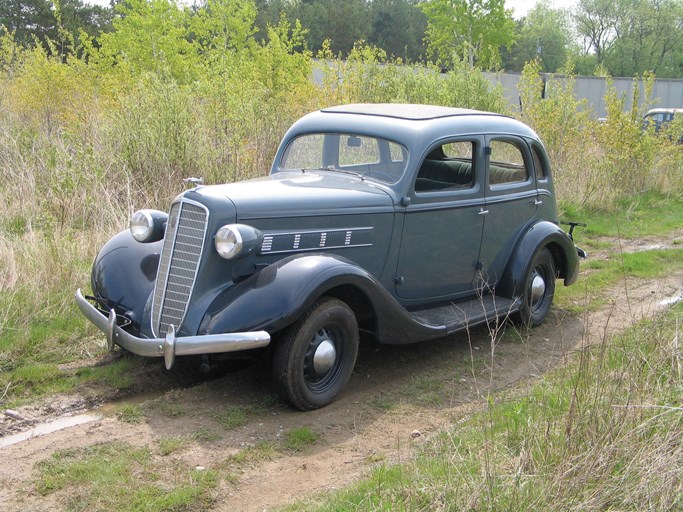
(397, 398)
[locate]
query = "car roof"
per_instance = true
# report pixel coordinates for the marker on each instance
(405, 111)
(664, 111)
(415, 126)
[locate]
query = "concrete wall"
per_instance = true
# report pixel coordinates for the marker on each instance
(666, 93)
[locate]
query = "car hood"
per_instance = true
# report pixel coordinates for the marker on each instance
(301, 194)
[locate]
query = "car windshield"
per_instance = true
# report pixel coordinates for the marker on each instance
(366, 157)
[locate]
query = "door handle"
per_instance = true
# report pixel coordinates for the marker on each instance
(538, 202)
(482, 212)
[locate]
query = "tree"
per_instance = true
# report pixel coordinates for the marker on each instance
(596, 22)
(472, 30)
(650, 38)
(150, 36)
(40, 20)
(342, 23)
(398, 28)
(91, 19)
(542, 34)
(629, 37)
(268, 13)
(28, 19)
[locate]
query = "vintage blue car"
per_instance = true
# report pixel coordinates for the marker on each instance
(410, 222)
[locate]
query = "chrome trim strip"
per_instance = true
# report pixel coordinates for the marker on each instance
(155, 317)
(170, 346)
(313, 249)
(269, 238)
(314, 231)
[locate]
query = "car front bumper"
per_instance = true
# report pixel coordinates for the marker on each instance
(171, 345)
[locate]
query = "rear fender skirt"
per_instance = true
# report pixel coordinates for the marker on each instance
(278, 295)
(540, 235)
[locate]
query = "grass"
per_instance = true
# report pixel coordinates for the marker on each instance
(108, 477)
(169, 445)
(600, 275)
(297, 439)
(603, 433)
(206, 435)
(234, 416)
(172, 410)
(231, 417)
(649, 214)
(294, 440)
(252, 455)
(130, 413)
(29, 381)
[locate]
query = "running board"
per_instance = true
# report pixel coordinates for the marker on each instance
(458, 316)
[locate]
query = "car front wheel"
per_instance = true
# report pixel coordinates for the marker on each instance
(539, 289)
(314, 358)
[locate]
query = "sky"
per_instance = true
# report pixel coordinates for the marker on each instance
(520, 7)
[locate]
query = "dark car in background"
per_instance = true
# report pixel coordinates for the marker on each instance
(410, 222)
(662, 118)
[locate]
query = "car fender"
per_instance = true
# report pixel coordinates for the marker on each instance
(539, 235)
(276, 296)
(123, 275)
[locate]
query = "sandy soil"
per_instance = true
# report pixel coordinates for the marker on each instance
(398, 397)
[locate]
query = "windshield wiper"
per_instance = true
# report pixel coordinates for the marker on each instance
(337, 169)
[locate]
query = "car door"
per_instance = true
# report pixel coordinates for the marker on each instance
(443, 223)
(511, 202)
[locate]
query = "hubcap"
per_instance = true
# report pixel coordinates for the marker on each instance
(324, 357)
(537, 289)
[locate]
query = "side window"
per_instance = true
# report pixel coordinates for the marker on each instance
(354, 150)
(506, 164)
(448, 166)
(539, 164)
(398, 152)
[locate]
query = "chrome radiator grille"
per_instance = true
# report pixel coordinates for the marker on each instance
(180, 255)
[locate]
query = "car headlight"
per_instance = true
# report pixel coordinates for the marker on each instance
(148, 225)
(237, 240)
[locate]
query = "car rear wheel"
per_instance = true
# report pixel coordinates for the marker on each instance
(539, 289)
(314, 358)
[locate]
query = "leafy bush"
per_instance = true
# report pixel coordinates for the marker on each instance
(368, 76)
(598, 162)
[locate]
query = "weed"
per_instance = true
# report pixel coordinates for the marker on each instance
(605, 273)
(425, 390)
(251, 455)
(170, 409)
(602, 432)
(170, 445)
(383, 402)
(374, 458)
(231, 417)
(119, 477)
(206, 435)
(299, 438)
(130, 413)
